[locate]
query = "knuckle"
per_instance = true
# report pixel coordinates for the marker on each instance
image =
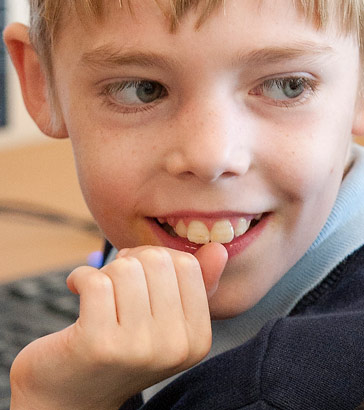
(82, 270)
(181, 353)
(156, 255)
(201, 342)
(201, 350)
(97, 281)
(188, 262)
(176, 349)
(80, 273)
(100, 282)
(121, 265)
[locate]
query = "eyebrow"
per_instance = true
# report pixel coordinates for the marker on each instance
(107, 56)
(272, 55)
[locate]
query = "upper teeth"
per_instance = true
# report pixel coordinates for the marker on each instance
(222, 231)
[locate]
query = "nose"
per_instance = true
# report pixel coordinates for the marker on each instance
(209, 143)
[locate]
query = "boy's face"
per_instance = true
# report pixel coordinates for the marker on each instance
(251, 114)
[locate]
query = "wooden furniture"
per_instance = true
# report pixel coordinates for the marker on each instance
(42, 178)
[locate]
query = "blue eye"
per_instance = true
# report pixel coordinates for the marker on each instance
(135, 92)
(282, 89)
(287, 91)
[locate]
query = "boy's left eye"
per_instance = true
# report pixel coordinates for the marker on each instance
(284, 89)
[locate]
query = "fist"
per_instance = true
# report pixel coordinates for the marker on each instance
(143, 318)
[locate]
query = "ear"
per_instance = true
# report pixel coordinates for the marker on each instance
(32, 79)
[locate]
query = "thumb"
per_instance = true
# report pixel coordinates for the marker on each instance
(212, 258)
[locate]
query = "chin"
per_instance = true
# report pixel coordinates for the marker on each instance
(224, 307)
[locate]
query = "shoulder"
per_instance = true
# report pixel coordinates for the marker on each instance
(317, 353)
(295, 362)
(342, 289)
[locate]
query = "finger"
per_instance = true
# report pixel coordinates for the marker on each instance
(97, 304)
(195, 306)
(212, 258)
(130, 290)
(162, 283)
(191, 287)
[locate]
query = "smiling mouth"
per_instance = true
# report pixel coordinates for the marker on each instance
(205, 230)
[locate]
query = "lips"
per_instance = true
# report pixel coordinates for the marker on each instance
(189, 233)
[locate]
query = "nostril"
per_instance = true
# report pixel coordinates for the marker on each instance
(205, 176)
(228, 174)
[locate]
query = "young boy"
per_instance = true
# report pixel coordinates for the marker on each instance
(214, 147)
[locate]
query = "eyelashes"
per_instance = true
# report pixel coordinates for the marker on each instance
(140, 95)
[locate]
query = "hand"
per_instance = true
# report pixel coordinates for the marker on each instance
(143, 318)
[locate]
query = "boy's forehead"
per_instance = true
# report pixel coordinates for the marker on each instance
(164, 14)
(173, 12)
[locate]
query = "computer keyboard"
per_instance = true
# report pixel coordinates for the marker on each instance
(31, 308)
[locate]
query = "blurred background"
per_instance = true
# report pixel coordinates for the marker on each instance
(44, 224)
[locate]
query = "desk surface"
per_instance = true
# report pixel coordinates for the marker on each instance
(41, 177)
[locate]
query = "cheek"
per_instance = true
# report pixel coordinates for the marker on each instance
(291, 173)
(114, 195)
(110, 176)
(308, 162)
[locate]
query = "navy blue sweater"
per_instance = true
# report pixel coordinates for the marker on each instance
(311, 359)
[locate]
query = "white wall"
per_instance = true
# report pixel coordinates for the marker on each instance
(18, 10)
(21, 129)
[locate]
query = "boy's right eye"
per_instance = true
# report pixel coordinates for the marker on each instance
(134, 93)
